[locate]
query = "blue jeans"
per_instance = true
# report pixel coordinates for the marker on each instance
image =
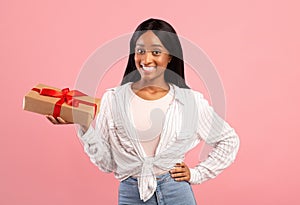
(168, 192)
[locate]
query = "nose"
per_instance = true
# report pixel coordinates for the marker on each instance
(147, 58)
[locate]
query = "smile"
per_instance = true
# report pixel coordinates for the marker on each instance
(148, 68)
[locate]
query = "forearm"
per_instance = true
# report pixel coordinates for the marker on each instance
(222, 155)
(97, 148)
(83, 129)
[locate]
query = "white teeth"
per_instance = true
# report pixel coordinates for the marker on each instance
(148, 68)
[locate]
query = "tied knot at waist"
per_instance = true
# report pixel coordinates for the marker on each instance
(147, 180)
(147, 167)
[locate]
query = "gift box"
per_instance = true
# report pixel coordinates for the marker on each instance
(71, 105)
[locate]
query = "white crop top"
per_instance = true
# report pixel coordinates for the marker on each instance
(148, 119)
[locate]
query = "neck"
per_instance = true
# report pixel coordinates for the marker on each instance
(151, 84)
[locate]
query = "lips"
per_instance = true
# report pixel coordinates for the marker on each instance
(148, 68)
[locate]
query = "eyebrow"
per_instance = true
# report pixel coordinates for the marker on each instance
(153, 45)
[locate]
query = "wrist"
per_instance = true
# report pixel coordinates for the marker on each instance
(84, 128)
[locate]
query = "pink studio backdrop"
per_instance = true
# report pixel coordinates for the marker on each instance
(253, 45)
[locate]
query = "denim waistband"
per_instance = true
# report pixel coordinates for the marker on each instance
(163, 176)
(160, 179)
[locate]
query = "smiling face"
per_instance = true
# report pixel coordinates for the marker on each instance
(151, 58)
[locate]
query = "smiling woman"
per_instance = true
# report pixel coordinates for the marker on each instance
(151, 59)
(147, 124)
(161, 40)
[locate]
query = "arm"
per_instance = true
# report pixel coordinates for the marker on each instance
(217, 133)
(96, 140)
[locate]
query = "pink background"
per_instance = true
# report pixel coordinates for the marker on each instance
(253, 44)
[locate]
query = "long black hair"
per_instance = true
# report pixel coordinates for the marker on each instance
(168, 36)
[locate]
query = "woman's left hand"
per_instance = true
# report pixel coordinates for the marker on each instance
(181, 172)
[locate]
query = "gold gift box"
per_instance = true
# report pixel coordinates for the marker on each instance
(83, 114)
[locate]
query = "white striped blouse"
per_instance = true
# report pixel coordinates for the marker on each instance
(113, 145)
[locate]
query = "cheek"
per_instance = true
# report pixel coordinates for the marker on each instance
(164, 61)
(137, 60)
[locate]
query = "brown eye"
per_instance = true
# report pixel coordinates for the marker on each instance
(140, 51)
(156, 52)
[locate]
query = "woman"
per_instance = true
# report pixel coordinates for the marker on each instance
(147, 124)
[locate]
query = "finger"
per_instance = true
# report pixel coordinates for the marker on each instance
(51, 119)
(182, 164)
(177, 170)
(178, 175)
(186, 178)
(62, 121)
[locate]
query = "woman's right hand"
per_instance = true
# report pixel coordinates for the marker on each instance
(57, 120)
(60, 121)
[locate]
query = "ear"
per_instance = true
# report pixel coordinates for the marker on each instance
(170, 58)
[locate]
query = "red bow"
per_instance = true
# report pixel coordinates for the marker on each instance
(66, 96)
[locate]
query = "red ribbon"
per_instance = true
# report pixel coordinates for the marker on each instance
(65, 96)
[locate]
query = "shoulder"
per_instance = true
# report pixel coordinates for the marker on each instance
(188, 94)
(200, 100)
(113, 91)
(198, 95)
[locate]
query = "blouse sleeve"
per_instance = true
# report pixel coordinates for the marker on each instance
(96, 140)
(218, 134)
